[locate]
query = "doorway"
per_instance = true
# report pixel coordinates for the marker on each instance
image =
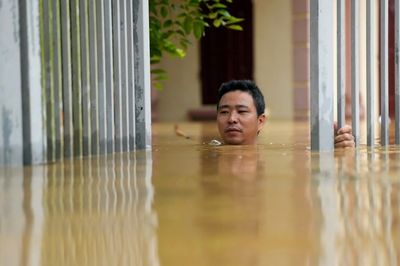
(227, 54)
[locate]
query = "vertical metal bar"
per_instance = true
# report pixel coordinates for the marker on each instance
(131, 75)
(43, 68)
(371, 63)
(355, 69)
(31, 90)
(142, 77)
(85, 74)
(93, 78)
(117, 76)
(384, 73)
(341, 63)
(49, 96)
(101, 77)
(124, 80)
(57, 72)
(76, 77)
(109, 75)
(397, 85)
(67, 90)
(321, 60)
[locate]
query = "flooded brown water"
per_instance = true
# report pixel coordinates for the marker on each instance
(189, 203)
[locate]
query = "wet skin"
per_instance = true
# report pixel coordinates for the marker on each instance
(237, 119)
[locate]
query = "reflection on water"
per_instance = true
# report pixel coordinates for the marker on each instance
(84, 212)
(360, 201)
(240, 162)
(232, 205)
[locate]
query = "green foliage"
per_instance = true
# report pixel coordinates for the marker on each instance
(172, 23)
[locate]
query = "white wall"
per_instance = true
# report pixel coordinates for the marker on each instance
(182, 89)
(273, 55)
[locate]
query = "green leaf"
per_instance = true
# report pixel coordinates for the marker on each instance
(180, 53)
(194, 2)
(182, 15)
(224, 13)
(158, 86)
(187, 41)
(217, 23)
(187, 25)
(235, 27)
(154, 60)
(164, 11)
(218, 5)
(153, 8)
(180, 32)
(213, 15)
(161, 77)
(158, 71)
(168, 34)
(234, 20)
(167, 23)
(198, 29)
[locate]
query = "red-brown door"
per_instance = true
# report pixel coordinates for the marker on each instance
(227, 54)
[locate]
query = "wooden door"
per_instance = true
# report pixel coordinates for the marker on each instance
(227, 54)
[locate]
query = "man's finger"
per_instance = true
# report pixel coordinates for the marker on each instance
(345, 144)
(345, 129)
(343, 137)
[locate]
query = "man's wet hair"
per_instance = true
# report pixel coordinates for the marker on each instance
(246, 86)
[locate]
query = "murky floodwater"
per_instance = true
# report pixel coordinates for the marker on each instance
(188, 203)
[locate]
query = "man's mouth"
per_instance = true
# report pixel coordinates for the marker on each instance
(232, 129)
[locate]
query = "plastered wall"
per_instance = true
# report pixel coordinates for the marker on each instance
(182, 89)
(273, 55)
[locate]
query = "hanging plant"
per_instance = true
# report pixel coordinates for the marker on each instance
(174, 22)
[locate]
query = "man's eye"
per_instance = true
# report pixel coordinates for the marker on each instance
(223, 112)
(243, 111)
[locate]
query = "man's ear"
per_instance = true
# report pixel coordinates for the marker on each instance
(261, 121)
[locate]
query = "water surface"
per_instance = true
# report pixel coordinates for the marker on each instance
(188, 203)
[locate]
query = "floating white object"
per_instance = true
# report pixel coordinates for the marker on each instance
(215, 142)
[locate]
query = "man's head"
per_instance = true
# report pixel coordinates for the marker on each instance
(240, 112)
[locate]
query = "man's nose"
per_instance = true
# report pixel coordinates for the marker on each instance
(233, 117)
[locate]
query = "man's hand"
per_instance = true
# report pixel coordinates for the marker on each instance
(344, 137)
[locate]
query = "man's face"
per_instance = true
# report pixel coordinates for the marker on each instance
(238, 122)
